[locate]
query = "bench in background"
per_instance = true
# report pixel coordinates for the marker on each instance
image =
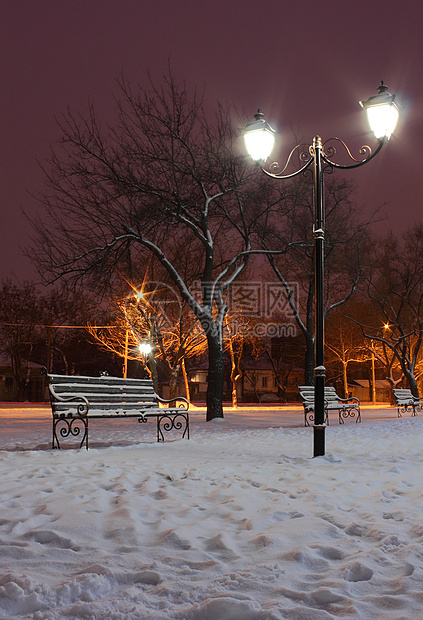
(346, 407)
(76, 400)
(405, 401)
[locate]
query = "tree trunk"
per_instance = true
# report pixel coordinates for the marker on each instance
(173, 382)
(185, 376)
(215, 378)
(235, 375)
(412, 383)
(152, 366)
(345, 379)
(408, 373)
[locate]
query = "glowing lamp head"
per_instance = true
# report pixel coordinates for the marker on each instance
(382, 112)
(259, 138)
(145, 348)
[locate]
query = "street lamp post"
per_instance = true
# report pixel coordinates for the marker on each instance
(382, 112)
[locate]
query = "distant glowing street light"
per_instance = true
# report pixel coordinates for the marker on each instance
(259, 136)
(145, 349)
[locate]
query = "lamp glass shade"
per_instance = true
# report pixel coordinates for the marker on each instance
(382, 119)
(382, 112)
(259, 143)
(145, 348)
(259, 138)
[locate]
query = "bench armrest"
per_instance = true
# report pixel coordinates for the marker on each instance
(174, 400)
(352, 399)
(83, 406)
(308, 404)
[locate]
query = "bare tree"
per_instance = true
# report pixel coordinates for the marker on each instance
(363, 311)
(345, 345)
(155, 317)
(395, 287)
(162, 175)
(346, 233)
(20, 314)
(236, 334)
(45, 327)
(63, 344)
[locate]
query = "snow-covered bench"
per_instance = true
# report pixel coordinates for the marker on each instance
(346, 407)
(405, 401)
(75, 400)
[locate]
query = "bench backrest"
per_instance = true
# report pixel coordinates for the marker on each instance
(102, 392)
(402, 395)
(307, 394)
(308, 391)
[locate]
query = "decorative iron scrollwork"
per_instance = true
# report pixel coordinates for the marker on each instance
(304, 157)
(70, 426)
(307, 154)
(309, 417)
(409, 407)
(167, 422)
(142, 419)
(330, 151)
(350, 412)
(81, 408)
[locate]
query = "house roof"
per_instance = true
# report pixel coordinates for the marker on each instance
(379, 383)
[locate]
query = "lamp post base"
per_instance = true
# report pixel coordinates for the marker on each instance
(319, 439)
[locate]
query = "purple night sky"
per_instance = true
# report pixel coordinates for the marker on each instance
(303, 64)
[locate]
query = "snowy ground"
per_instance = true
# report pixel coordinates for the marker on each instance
(237, 523)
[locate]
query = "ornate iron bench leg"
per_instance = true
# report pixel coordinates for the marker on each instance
(171, 421)
(85, 437)
(160, 436)
(186, 431)
(55, 442)
(70, 427)
(309, 417)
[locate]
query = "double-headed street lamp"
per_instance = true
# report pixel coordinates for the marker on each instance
(382, 112)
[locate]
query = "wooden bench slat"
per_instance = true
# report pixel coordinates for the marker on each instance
(120, 413)
(113, 389)
(99, 405)
(106, 379)
(76, 406)
(98, 396)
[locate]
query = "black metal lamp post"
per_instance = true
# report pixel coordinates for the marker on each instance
(382, 112)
